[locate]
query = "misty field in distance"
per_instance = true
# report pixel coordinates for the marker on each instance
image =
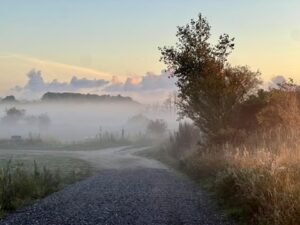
(75, 119)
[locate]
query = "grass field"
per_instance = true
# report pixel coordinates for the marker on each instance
(28, 176)
(64, 164)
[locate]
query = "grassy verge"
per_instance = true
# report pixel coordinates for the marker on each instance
(253, 183)
(93, 144)
(255, 187)
(23, 181)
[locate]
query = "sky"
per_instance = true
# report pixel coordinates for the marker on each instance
(117, 41)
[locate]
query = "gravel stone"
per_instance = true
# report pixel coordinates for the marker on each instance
(137, 196)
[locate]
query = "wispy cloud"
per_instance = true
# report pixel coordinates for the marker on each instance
(55, 66)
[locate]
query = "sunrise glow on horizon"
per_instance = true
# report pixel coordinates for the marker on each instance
(106, 39)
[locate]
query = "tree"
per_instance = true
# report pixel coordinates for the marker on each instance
(13, 115)
(282, 109)
(170, 103)
(246, 116)
(210, 89)
(43, 121)
(157, 127)
(184, 139)
(9, 99)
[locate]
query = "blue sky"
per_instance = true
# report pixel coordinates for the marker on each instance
(121, 38)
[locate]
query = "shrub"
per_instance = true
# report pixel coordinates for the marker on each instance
(157, 127)
(184, 140)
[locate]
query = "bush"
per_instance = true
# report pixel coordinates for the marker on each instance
(157, 127)
(184, 140)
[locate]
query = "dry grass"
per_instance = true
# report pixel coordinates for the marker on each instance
(258, 182)
(264, 186)
(257, 185)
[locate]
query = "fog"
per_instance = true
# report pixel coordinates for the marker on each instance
(72, 121)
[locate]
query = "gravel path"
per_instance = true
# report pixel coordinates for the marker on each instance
(130, 196)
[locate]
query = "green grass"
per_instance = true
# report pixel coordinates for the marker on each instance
(41, 144)
(94, 145)
(64, 164)
(26, 178)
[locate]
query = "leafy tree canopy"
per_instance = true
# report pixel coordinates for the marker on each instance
(210, 89)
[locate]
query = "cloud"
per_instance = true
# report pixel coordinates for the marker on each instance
(149, 88)
(146, 89)
(37, 85)
(50, 67)
(148, 83)
(276, 81)
(86, 83)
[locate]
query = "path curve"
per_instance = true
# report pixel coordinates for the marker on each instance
(134, 195)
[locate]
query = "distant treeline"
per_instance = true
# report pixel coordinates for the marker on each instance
(68, 96)
(78, 97)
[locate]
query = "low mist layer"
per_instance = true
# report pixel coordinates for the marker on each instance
(73, 117)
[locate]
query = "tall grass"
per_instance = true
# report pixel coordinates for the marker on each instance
(20, 186)
(264, 186)
(258, 182)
